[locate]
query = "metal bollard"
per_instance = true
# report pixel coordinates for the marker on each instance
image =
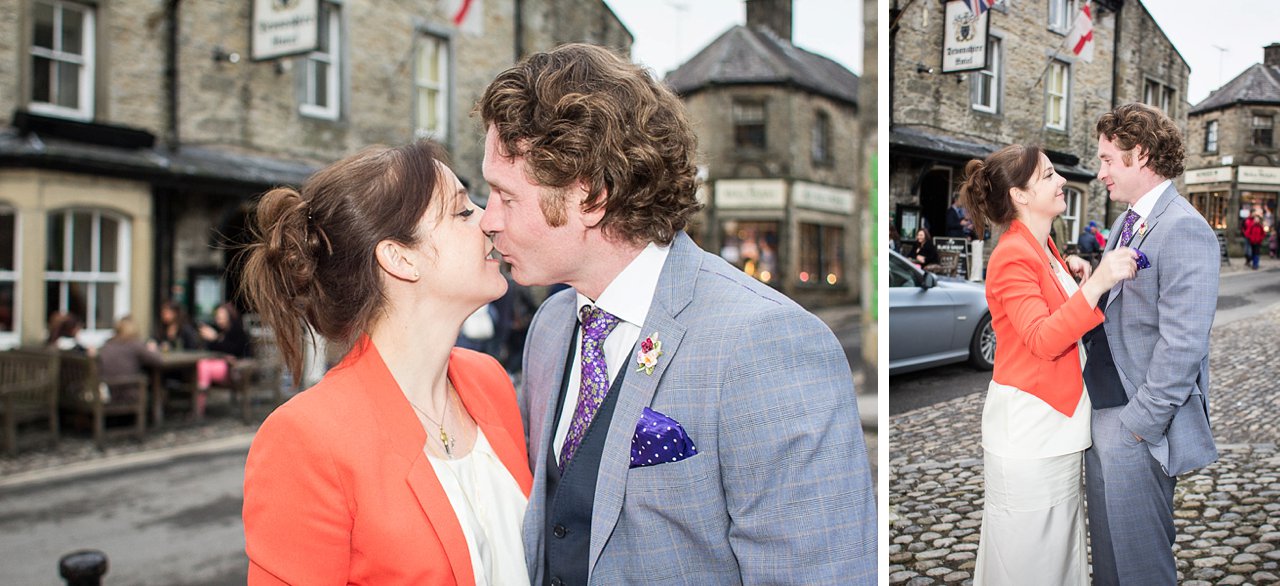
(83, 568)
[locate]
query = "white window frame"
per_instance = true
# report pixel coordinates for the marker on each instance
(989, 76)
(84, 61)
(1158, 95)
(820, 139)
(1063, 99)
(1211, 136)
(93, 334)
(1061, 15)
(13, 338)
(442, 86)
(1071, 217)
(1254, 127)
(330, 54)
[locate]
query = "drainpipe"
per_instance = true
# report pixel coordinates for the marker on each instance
(1107, 218)
(519, 32)
(171, 74)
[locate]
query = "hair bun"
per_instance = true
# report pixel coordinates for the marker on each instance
(288, 246)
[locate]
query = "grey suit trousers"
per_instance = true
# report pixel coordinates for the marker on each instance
(1130, 503)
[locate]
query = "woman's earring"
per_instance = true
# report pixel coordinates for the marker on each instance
(416, 276)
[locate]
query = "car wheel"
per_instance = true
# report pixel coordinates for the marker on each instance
(982, 348)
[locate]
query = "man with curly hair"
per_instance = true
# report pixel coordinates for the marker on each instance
(687, 424)
(1148, 365)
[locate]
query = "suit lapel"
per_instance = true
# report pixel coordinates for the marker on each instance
(545, 372)
(673, 293)
(1146, 226)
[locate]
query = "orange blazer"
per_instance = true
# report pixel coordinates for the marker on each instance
(337, 489)
(1036, 325)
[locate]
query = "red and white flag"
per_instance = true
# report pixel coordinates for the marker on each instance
(1080, 39)
(466, 15)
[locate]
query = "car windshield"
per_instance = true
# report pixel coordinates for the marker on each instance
(901, 273)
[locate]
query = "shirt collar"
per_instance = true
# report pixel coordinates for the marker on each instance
(630, 294)
(1147, 202)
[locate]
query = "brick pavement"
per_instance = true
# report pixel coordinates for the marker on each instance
(1227, 514)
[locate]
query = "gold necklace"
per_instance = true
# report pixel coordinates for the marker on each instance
(446, 440)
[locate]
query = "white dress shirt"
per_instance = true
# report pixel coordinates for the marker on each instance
(628, 298)
(1146, 204)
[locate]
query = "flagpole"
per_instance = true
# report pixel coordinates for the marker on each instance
(1048, 63)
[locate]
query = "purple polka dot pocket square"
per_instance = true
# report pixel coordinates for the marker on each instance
(1143, 263)
(658, 440)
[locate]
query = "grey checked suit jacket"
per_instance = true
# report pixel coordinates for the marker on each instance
(1158, 327)
(779, 492)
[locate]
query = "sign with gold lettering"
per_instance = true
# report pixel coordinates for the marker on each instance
(1264, 175)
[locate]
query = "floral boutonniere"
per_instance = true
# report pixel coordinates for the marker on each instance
(1142, 229)
(647, 357)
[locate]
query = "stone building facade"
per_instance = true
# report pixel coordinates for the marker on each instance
(142, 131)
(1233, 156)
(779, 137)
(1033, 90)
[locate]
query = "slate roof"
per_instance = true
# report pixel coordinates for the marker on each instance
(745, 56)
(1259, 84)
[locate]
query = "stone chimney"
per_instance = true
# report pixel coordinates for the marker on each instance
(774, 15)
(1270, 53)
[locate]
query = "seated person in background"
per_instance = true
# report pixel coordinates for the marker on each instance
(927, 253)
(125, 355)
(64, 331)
(226, 336)
(174, 331)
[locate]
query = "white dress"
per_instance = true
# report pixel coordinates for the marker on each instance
(490, 507)
(1033, 518)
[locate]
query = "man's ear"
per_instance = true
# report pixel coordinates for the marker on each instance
(398, 260)
(590, 218)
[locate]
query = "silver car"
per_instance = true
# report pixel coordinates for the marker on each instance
(936, 320)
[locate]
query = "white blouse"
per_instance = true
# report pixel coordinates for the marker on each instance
(490, 507)
(1017, 424)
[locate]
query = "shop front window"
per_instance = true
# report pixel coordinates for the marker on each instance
(1213, 206)
(821, 255)
(753, 247)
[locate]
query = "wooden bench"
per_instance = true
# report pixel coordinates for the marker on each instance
(84, 392)
(28, 392)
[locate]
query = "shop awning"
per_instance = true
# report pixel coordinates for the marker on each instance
(945, 148)
(113, 151)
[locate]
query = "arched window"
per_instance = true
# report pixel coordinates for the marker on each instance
(87, 268)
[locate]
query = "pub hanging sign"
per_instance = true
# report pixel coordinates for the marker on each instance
(284, 27)
(964, 42)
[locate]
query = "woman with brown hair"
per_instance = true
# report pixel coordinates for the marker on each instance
(1035, 422)
(406, 464)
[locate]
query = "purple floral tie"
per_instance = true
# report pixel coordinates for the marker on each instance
(596, 325)
(1126, 229)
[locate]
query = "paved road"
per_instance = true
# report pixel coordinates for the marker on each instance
(1242, 295)
(174, 522)
(1227, 514)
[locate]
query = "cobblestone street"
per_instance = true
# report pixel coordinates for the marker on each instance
(1227, 514)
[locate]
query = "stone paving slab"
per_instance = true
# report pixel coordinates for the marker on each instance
(1227, 514)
